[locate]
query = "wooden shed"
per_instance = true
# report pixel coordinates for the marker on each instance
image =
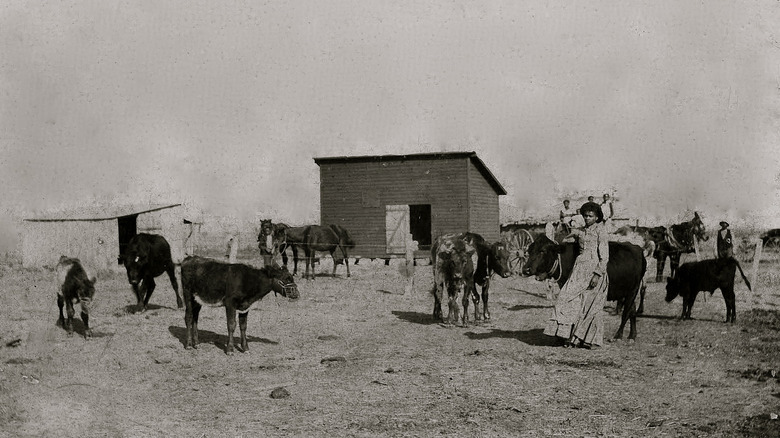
(99, 236)
(381, 199)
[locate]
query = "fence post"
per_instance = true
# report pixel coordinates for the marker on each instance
(756, 262)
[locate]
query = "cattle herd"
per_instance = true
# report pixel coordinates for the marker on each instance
(462, 264)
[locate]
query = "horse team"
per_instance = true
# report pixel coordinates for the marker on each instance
(461, 263)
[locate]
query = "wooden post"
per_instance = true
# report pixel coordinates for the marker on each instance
(410, 247)
(233, 245)
(756, 262)
(696, 248)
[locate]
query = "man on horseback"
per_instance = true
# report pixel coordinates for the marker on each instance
(725, 243)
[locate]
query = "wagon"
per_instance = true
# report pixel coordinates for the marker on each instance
(517, 242)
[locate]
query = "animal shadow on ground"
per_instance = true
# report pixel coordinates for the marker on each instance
(416, 317)
(79, 329)
(528, 293)
(206, 337)
(527, 306)
(133, 308)
(535, 337)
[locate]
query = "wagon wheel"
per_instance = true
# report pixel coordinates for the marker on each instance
(772, 244)
(518, 250)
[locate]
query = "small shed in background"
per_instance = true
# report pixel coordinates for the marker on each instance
(380, 199)
(99, 236)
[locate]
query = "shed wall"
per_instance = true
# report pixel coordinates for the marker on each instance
(483, 206)
(355, 194)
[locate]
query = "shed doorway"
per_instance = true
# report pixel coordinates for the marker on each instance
(402, 220)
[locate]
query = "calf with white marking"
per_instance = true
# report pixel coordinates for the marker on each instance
(74, 285)
(234, 286)
(706, 275)
(453, 263)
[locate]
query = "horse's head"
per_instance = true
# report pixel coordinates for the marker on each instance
(697, 226)
(265, 238)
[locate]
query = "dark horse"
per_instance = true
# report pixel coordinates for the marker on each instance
(671, 242)
(279, 237)
(326, 238)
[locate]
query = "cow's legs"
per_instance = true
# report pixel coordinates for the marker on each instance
(138, 289)
(148, 286)
(172, 275)
(190, 321)
(468, 295)
(688, 305)
(642, 290)
(70, 312)
(85, 318)
(454, 316)
(308, 256)
(731, 307)
(242, 318)
(231, 327)
(60, 304)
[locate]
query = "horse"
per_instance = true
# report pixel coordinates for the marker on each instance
(670, 242)
(279, 237)
(326, 238)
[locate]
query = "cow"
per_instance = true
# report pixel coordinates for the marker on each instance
(147, 256)
(453, 263)
(234, 286)
(74, 285)
(705, 275)
(625, 269)
(491, 258)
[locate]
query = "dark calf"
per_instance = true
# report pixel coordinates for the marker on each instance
(148, 256)
(706, 275)
(491, 258)
(234, 286)
(75, 286)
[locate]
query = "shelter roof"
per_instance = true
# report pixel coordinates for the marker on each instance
(99, 213)
(478, 163)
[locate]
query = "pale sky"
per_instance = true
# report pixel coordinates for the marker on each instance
(670, 105)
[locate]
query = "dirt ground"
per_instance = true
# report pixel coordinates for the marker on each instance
(360, 358)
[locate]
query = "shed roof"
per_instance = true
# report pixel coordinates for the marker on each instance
(99, 213)
(483, 169)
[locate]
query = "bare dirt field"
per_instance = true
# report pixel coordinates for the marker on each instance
(359, 358)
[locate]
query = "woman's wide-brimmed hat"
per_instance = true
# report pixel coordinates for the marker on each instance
(724, 224)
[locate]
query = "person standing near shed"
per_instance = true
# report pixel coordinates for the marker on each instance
(725, 243)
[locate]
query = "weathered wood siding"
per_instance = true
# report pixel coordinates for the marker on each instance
(483, 205)
(354, 195)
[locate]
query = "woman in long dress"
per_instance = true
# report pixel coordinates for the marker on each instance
(578, 313)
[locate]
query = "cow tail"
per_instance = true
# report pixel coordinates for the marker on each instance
(742, 274)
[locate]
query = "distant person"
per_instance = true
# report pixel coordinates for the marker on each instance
(590, 199)
(608, 211)
(567, 215)
(725, 242)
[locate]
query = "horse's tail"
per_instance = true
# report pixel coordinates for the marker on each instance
(742, 274)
